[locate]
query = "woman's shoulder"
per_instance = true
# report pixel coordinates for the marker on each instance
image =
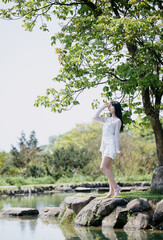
(118, 121)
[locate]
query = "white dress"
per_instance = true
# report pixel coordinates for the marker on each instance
(110, 134)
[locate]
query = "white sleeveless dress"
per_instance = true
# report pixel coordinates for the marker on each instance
(110, 135)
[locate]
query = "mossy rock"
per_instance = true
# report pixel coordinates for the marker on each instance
(68, 216)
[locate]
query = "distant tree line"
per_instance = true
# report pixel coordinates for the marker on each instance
(77, 152)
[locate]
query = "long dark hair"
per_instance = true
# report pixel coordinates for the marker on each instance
(118, 112)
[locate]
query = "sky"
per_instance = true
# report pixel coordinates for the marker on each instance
(28, 64)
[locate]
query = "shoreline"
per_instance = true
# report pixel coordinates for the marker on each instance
(99, 187)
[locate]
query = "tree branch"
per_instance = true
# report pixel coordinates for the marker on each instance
(114, 7)
(122, 80)
(92, 6)
(151, 50)
(51, 3)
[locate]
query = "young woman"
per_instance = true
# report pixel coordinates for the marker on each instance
(110, 142)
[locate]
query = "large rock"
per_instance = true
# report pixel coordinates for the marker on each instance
(50, 212)
(158, 214)
(157, 180)
(138, 205)
(92, 213)
(138, 220)
(117, 219)
(108, 205)
(19, 212)
(75, 202)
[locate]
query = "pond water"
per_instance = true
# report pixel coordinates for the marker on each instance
(35, 228)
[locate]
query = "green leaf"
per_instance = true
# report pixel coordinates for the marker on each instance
(76, 102)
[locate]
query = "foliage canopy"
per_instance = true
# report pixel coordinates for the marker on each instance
(117, 43)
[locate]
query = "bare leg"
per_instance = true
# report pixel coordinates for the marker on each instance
(111, 189)
(106, 168)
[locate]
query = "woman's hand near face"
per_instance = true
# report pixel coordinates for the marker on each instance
(107, 104)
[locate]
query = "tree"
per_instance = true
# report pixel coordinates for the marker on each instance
(117, 43)
(4, 162)
(83, 135)
(27, 151)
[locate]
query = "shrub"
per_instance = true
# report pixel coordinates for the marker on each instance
(35, 171)
(65, 162)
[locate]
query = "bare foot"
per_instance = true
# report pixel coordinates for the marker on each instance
(117, 191)
(109, 194)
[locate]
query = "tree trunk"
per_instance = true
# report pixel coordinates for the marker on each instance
(158, 131)
(155, 123)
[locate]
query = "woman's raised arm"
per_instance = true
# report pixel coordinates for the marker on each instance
(97, 116)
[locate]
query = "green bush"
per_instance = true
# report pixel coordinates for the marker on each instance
(10, 181)
(35, 171)
(65, 162)
(139, 156)
(13, 181)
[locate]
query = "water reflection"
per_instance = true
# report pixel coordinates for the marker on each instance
(124, 234)
(71, 232)
(137, 234)
(34, 201)
(84, 233)
(109, 233)
(16, 228)
(90, 233)
(24, 223)
(37, 228)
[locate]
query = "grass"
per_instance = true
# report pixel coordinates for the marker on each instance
(141, 194)
(77, 178)
(150, 195)
(19, 181)
(142, 178)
